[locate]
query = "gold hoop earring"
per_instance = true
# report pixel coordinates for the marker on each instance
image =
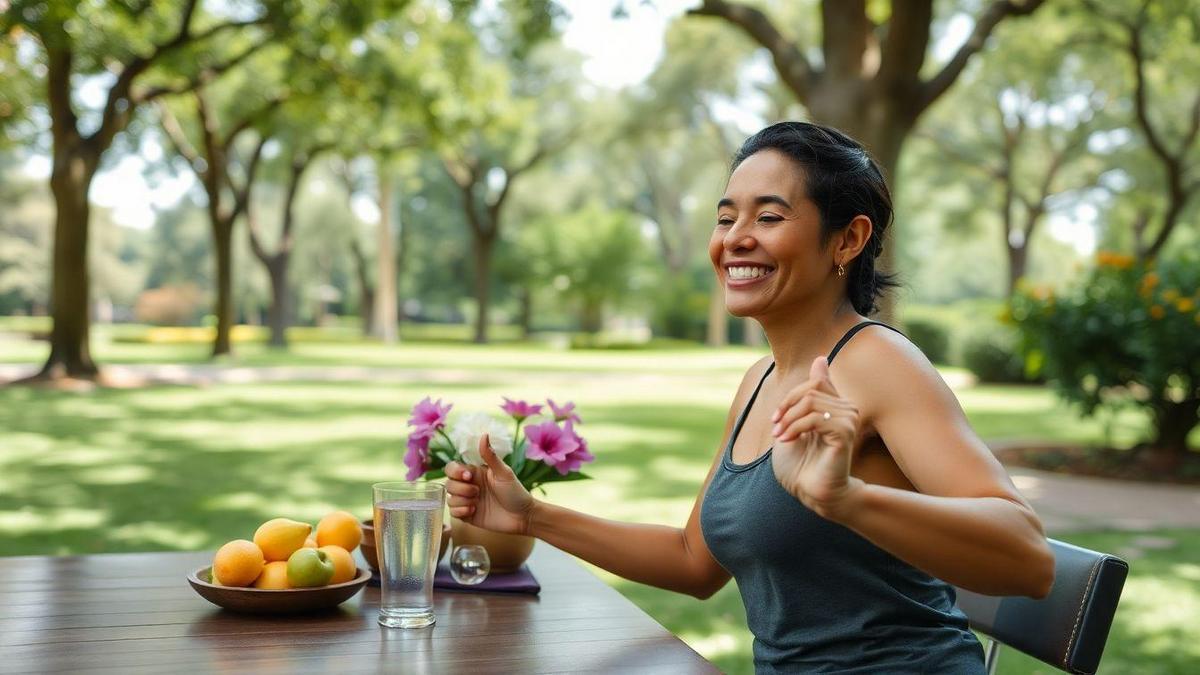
(841, 271)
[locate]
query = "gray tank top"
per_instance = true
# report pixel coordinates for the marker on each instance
(819, 598)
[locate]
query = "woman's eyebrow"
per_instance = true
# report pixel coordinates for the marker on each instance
(761, 199)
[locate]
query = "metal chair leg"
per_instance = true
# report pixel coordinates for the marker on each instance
(992, 656)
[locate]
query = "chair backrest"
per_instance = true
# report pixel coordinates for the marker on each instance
(1068, 628)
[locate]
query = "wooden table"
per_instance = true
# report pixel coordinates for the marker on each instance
(135, 612)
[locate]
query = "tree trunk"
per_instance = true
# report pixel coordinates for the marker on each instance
(366, 294)
(1172, 424)
(525, 296)
(70, 351)
(591, 318)
(278, 314)
(385, 323)
(483, 267)
(223, 247)
(718, 318)
(1018, 257)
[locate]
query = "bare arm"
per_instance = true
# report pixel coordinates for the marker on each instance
(967, 523)
(671, 558)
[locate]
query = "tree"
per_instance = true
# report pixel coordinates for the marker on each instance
(146, 51)
(215, 163)
(869, 82)
(297, 156)
(1158, 38)
(518, 113)
(1022, 126)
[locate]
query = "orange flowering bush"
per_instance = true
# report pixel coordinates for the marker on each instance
(1128, 332)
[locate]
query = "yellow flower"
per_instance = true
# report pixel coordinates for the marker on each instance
(1185, 304)
(1157, 312)
(1149, 281)
(1110, 259)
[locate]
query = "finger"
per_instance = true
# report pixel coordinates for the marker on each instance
(462, 511)
(455, 500)
(819, 373)
(792, 398)
(462, 489)
(458, 471)
(813, 400)
(489, 456)
(814, 421)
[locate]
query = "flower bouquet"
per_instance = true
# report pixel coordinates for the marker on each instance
(549, 451)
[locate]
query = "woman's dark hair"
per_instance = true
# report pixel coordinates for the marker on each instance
(843, 180)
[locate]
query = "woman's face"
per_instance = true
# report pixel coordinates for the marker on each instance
(766, 245)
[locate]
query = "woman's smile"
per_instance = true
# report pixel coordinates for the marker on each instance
(743, 275)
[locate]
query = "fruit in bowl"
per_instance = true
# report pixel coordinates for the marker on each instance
(286, 568)
(371, 554)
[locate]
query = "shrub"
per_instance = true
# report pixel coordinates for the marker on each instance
(931, 337)
(992, 356)
(1126, 334)
(169, 305)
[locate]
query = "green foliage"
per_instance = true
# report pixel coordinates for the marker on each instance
(1124, 334)
(931, 337)
(991, 355)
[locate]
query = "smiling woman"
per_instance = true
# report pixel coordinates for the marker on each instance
(846, 502)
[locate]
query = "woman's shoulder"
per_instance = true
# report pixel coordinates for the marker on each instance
(878, 364)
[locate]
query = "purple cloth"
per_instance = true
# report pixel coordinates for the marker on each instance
(521, 581)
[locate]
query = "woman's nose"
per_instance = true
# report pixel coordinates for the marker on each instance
(738, 238)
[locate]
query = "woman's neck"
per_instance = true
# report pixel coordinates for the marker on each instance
(804, 333)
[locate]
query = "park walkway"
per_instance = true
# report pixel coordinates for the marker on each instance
(1065, 503)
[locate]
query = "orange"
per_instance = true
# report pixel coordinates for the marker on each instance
(344, 568)
(279, 537)
(310, 543)
(237, 563)
(274, 576)
(339, 529)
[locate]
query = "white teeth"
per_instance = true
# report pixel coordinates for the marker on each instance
(747, 272)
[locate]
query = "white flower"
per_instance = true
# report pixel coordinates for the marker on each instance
(470, 427)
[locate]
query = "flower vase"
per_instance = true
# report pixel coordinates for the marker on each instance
(506, 551)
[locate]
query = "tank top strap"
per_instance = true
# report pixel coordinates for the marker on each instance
(854, 329)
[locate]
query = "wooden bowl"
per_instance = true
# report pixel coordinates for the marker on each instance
(286, 601)
(371, 555)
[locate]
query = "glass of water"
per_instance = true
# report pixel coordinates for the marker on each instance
(408, 532)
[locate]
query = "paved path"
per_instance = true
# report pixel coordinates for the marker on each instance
(1065, 503)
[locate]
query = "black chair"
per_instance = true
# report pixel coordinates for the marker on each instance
(1068, 628)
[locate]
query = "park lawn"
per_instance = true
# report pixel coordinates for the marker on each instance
(166, 468)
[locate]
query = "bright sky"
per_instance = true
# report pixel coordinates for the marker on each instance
(617, 53)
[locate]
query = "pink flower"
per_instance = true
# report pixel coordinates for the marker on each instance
(575, 459)
(567, 412)
(428, 416)
(519, 410)
(417, 457)
(549, 443)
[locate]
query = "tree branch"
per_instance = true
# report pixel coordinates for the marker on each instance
(846, 32)
(175, 134)
(242, 197)
(906, 42)
(996, 12)
(204, 76)
(789, 59)
(251, 119)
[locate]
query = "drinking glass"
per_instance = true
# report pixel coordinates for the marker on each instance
(408, 532)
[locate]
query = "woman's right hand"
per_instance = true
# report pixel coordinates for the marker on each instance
(490, 497)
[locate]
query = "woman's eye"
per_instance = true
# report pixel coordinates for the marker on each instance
(725, 222)
(769, 218)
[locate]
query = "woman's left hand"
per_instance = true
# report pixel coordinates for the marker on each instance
(815, 434)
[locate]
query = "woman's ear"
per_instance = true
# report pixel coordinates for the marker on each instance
(854, 238)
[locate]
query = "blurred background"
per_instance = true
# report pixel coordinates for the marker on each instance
(239, 239)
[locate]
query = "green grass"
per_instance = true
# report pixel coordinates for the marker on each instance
(189, 468)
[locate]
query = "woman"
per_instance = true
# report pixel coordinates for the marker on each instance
(845, 500)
